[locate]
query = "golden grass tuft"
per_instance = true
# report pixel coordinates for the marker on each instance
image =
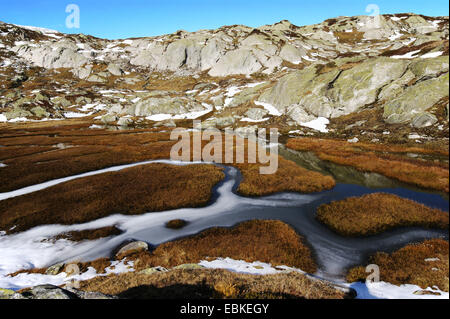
(211, 283)
(382, 159)
(424, 264)
(131, 191)
(90, 234)
(176, 223)
(374, 213)
(267, 241)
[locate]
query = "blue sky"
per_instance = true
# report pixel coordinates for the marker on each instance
(133, 18)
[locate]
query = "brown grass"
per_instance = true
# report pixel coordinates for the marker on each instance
(349, 37)
(267, 241)
(90, 234)
(211, 283)
(39, 153)
(424, 48)
(131, 191)
(374, 213)
(96, 149)
(31, 157)
(176, 223)
(289, 177)
(382, 159)
(408, 265)
(90, 150)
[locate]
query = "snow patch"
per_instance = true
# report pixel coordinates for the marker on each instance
(269, 107)
(318, 124)
(431, 55)
(398, 18)
(246, 119)
(409, 55)
(158, 117)
(241, 266)
(386, 290)
(71, 115)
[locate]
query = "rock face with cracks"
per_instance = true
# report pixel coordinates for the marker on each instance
(397, 65)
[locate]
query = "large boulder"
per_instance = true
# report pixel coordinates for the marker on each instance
(256, 114)
(423, 120)
(415, 100)
(240, 61)
(52, 56)
(165, 105)
(359, 85)
(430, 67)
(114, 69)
(184, 52)
(335, 92)
(48, 292)
(292, 54)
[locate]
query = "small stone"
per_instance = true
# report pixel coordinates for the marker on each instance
(90, 295)
(49, 292)
(124, 121)
(55, 269)
(114, 69)
(6, 293)
(256, 114)
(426, 292)
(189, 266)
(109, 118)
(39, 112)
(153, 270)
(131, 248)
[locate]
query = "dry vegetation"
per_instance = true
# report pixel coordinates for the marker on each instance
(90, 234)
(349, 37)
(387, 160)
(294, 179)
(374, 213)
(89, 150)
(131, 191)
(36, 152)
(176, 223)
(424, 264)
(212, 283)
(267, 241)
(74, 150)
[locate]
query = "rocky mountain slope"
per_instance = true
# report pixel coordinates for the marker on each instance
(349, 76)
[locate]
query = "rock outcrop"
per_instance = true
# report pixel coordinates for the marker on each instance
(280, 73)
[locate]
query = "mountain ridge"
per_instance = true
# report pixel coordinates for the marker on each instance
(278, 75)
